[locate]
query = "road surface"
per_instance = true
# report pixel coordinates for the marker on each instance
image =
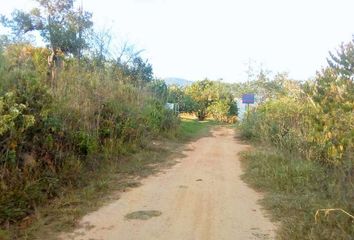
(200, 198)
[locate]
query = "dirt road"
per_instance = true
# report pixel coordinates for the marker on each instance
(200, 198)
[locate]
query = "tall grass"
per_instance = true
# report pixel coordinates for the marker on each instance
(309, 164)
(52, 138)
(295, 189)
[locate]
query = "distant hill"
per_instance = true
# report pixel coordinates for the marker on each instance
(178, 81)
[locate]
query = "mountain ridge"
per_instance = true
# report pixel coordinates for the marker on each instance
(181, 82)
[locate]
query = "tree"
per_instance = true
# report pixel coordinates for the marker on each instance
(4, 41)
(343, 60)
(210, 98)
(141, 71)
(223, 107)
(100, 43)
(136, 71)
(62, 26)
(219, 110)
(175, 94)
(159, 89)
(341, 75)
(185, 102)
(203, 94)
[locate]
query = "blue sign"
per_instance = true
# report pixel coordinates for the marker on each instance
(248, 98)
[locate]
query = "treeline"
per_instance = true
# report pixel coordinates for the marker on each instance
(206, 98)
(314, 118)
(68, 109)
(311, 124)
(219, 100)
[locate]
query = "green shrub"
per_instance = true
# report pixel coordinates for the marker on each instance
(54, 139)
(219, 110)
(298, 126)
(313, 167)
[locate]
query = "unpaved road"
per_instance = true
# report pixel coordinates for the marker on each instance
(200, 198)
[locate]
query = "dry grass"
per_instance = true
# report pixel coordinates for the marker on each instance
(301, 195)
(102, 186)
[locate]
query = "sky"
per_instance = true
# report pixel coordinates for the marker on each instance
(217, 39)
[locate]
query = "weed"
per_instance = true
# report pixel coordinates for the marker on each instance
(295, 189)
(192, 128)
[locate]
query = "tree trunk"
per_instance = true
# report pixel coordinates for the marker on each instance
(52, 69)
(201, 115)
(54, 65)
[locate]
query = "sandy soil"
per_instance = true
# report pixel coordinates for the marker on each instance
(201, 197)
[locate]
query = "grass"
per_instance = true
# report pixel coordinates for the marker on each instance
(192, 128)
(105, 184)
(295, 189)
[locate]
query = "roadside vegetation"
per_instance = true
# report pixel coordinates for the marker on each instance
(76, 122)
(72, 118)
(306, 162)
(113, 176)
(206, 98)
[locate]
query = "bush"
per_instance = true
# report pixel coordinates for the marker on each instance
(206, 98)
(313, 168)
(300, 127)
(52, 139)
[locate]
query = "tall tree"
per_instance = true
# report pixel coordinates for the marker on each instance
(61, 26)
(343, 60)
(141, 71)
(341, 72)
(203, 94)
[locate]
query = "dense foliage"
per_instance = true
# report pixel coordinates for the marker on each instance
(206, 98)
(53, 134)
(313, 121)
